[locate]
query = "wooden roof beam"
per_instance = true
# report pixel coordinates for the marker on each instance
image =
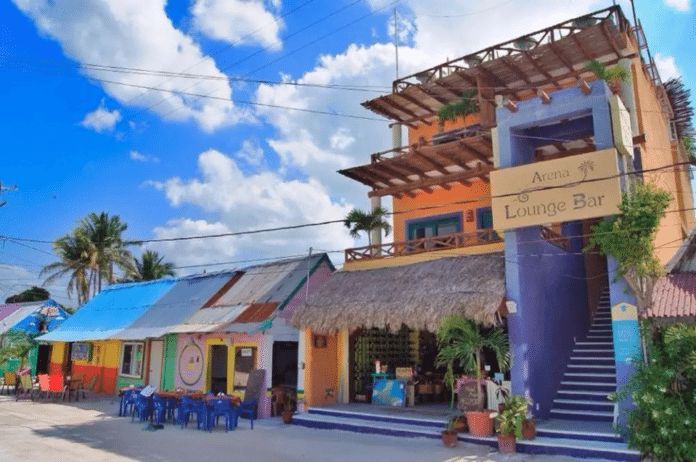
(447, 89)
(561, 56)
(433, 164)
(510, 65)
(538, 67)
(610, 38)
(583, 49)
(430, 94)
(398, 107)
(465, 78)
(490, 76)
(416, 102)
(473, 152)
(432, 181)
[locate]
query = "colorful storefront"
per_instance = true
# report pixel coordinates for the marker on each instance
(84, 344)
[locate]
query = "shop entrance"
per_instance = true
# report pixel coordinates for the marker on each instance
(43, 359)
(218, 369)
(285, 364)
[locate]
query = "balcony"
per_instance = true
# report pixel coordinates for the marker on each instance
(427, 244)
(457, 156)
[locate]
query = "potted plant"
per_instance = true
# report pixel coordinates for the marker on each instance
(462, 340)
(449, 435)
(612, 75)
(510, 423)
(288, 409)
(468, 104)
(501, 394)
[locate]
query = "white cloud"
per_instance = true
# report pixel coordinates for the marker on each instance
(139, 157)
(251, 153)
(238, 22)
(341, 139)
(138, 34)
(101, 119)
(248, 202)
(667, 67)
(15, 279)
(679, 5)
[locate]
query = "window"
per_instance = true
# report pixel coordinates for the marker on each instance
(244, 362)
(132, 360)
(484, 224)
(434, 226)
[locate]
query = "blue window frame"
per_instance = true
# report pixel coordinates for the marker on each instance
(439, 225)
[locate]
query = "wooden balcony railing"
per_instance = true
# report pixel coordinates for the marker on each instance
(426, 244)
(554, 238)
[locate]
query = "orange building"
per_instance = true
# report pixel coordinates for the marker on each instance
(492, 211)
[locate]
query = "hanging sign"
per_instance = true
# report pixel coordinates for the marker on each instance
(246, 352)
(567, 189)
(81, 352)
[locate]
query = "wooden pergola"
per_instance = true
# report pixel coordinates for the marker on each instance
(529, 66)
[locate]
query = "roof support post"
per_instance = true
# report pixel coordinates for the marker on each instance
(486, 95)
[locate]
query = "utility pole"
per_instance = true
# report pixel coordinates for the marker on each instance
(396, 42)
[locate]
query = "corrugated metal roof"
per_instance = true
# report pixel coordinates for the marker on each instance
(17, 313)
(259, 287)
(674, 296)
(110, 311)
(178, 304)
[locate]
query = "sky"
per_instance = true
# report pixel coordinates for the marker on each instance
(198, 117)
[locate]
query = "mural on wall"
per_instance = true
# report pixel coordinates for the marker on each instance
(191, 364)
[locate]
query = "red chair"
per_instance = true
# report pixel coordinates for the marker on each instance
(44, 386)
(57, 386)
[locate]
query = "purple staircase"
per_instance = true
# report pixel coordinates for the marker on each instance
(591, 373)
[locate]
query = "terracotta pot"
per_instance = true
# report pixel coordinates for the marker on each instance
(507, 443)
(287, 416)
(529, 429)
(460, 425)
(480, 423)
(449, 438)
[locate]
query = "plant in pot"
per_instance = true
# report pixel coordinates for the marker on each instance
(468, 104)
(510, 422)
(288, 409)
(612, 75)
(449, 435)
(462, 341)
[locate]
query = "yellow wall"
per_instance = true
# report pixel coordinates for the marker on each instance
(658, 151)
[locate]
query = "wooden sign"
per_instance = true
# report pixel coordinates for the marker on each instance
(467, 398)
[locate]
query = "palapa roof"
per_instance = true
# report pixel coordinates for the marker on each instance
(418, 295)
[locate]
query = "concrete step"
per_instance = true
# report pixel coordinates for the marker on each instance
(583, 405)
(573, 414)
(575, 385)
(586, 395)
(553, 442)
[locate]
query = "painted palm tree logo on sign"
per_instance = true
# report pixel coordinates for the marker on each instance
(585, 168)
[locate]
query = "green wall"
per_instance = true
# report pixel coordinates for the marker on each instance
(169, 367)
(122, 382)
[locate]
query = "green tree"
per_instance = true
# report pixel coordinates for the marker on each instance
(89, 253)
(73, 251)
(17, 344)
(33, 294)
(358, 221)
(462, 341)
(150, 267)
(629, 238)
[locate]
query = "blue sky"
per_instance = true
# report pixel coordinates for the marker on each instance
(78, 139)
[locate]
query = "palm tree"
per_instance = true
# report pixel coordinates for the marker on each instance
(107, 246)
(89, 253)
(358, 221)
(74, 262)
(150, 267)
(461, 340)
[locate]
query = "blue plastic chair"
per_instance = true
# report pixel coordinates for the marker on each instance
(159, 408)
(142, 406)
(246, 409)
(127, 401)
(192, 406)
(172, 404)
(221, 408)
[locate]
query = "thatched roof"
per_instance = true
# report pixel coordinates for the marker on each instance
(417, 295)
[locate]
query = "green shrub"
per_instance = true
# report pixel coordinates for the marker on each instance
(663, 425)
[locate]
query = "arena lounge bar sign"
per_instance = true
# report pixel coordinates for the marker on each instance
(568, 189)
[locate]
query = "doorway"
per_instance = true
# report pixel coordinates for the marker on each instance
(43, 359)
(285, 364)
(154, 376)
(67, 363)
(218, 369)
